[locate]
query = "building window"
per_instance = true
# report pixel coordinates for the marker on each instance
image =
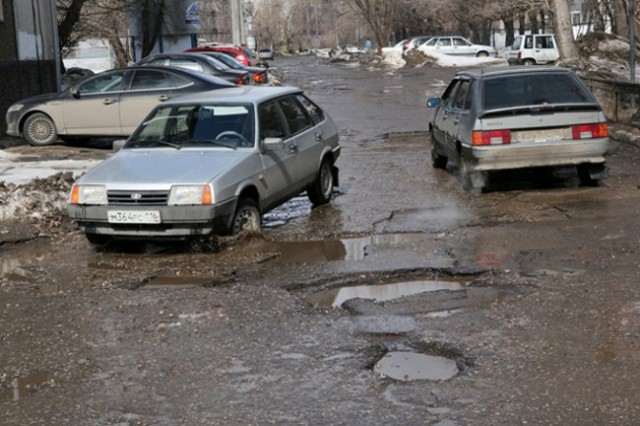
(1, 11)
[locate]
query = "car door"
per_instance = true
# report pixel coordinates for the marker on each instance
(545, 49)
(93, 106)
(462, 47)
(280, 165)
(147, 88)
(444, 121)
(306, 136)
(444, 46)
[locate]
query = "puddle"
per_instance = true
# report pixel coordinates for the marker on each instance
(173, 282)
(352, 249)
(408, 366)
(380, 293)
(24, 386)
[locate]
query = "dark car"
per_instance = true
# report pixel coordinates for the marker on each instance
(112, 103)
(518, 117)
(242, 54)
(259, 75)
(198, 62)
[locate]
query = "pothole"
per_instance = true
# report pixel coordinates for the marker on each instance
(380, 293)
(409, 366)
(24, 386)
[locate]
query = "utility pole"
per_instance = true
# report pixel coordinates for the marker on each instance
(632, 42)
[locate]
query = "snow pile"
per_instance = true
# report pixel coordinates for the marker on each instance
(392, 57)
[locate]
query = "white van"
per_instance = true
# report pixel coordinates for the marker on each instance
(532, 49)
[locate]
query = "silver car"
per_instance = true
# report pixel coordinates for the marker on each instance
(457, 46)
(517, 117)
(210, 163)
(111, 103)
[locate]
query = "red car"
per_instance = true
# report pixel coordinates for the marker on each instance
(241, 54)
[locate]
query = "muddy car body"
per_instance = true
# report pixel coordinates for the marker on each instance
(518, 117)
(212, 162)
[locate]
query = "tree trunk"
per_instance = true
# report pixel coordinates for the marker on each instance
(564, 30)
(621, 24)
(509, 30)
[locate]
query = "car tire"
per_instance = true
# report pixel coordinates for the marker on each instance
(246, 218)
(40, 130)
(438, 161)
(98, 239)
(482, 54)
(528, 62)
(586, 173)
(470, 180)
(320, 191)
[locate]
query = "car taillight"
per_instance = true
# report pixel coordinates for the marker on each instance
(490, 137)
(240, 80)
(258, 78)
(589, 131)
(519, 56)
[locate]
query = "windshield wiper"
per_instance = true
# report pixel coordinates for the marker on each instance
(144, 143)
(212, 142)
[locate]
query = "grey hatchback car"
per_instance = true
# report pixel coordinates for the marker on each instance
(207, 163)
(518, 117)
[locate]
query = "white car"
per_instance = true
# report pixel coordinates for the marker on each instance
(534, 49)
(457, 46)
(210, 163)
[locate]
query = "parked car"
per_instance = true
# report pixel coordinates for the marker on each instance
(414, 42)
(198, 62)
(259, 75)
(398, 47)
(210, 163)
(265, 54)
(532, 49)
(457, 46)
(518, 117)
(111, 103)
(242, 54)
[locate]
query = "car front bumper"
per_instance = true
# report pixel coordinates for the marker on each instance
(176, 221)
(538, 154)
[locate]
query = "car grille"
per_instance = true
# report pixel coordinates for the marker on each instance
(144, 198)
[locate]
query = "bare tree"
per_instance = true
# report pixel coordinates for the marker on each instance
(564, 29)
(379, 15)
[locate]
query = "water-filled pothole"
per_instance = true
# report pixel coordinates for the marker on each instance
(23, 386)
(380, 293)
(408, 366)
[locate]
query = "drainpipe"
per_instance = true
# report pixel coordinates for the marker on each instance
(56, 44)
(632, 42)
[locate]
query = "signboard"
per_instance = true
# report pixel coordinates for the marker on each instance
(193, 14)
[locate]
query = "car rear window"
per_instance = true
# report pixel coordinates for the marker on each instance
(527, 89)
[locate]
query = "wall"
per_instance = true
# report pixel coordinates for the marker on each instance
(27, 58)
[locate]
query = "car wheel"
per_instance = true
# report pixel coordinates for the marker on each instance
(482, 54)
(98, 239)
(438, 161)
(528, 62)
(246, 218)
(470, 180)
(321, 189)
(586, 173)
(39, 130)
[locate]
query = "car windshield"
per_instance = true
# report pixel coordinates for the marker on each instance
(230, 126)
(526, 90)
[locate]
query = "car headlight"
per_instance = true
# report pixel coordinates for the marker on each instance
(190, 195)
(89, 194)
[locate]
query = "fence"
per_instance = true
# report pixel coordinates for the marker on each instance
(619, 99)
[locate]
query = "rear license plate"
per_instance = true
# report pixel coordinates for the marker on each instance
(541, 135)
(133, 216)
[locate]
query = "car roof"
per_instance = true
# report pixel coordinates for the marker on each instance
(513, 70)
(237, 95)
(192, 74)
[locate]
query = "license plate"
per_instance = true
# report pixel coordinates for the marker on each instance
(133, 216)
(541, 135)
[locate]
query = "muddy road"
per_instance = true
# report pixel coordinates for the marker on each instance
(406, 301)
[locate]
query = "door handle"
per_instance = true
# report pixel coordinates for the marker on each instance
(163, 98)
(293, 148)
(318, 136)
(108, 101)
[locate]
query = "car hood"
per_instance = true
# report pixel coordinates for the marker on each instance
(161, 168)
(40, 99)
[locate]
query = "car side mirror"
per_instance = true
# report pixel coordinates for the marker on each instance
(74, 92)
(433, 102)
(272, 144)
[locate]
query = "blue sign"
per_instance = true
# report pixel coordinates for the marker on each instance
(193, 14)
